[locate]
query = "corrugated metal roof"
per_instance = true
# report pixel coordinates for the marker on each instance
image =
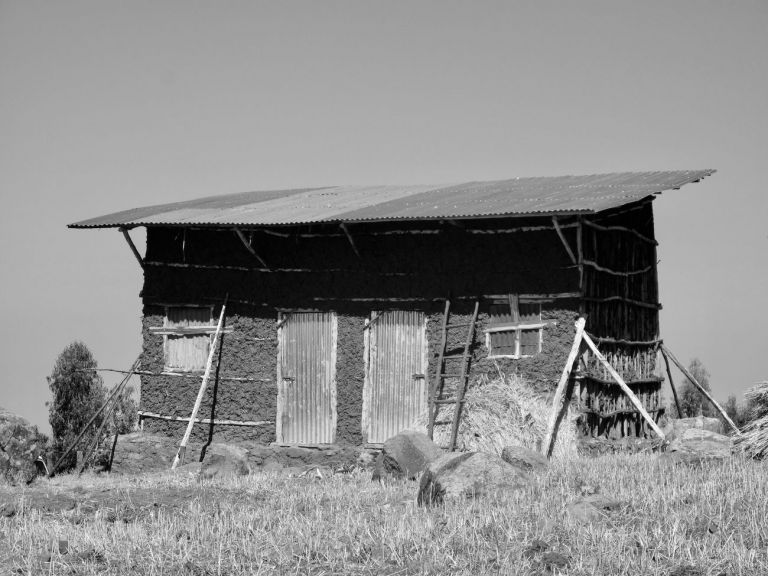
(516, 197)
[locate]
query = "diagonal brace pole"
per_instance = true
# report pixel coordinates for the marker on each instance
(672, 385)
(627, 390)
(132, 246)
(244, 240)
(707, 395)
(560, 402)
(183, 446)
(563, 240)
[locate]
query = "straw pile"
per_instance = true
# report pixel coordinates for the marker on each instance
(754, 438)
(500, 412)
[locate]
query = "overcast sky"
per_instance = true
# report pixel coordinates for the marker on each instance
(112, 105)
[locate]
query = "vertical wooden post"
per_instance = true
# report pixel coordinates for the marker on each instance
(627, 390)
(672, 385)
(559, 402)
(183, 446)
(707, 395)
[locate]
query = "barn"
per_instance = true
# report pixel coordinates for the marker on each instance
(351, 311)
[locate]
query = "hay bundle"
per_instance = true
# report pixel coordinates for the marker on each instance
(754, 438)
(500, 412)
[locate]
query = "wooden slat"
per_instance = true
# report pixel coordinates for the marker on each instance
(215, 421)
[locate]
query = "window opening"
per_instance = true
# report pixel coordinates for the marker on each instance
(515, 329)
(187, 332)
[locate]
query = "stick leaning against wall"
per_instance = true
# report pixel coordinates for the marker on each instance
(183, 445)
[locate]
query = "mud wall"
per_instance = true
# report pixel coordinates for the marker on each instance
(317, 268)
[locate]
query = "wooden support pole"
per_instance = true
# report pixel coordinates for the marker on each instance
(672, 385)
(560, 402)
(707, 395)
(135, 251)
(244, 240)
(563, 240)
(349, 237)
(75, 442)
(183, 446)
(627, 390)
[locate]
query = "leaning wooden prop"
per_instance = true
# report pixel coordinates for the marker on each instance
(667, 354)
(193, 417)
(564, 389)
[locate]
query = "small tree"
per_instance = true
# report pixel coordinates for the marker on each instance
(78, 392)
(692, 401)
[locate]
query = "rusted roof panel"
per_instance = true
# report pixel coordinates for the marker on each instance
(516, 197)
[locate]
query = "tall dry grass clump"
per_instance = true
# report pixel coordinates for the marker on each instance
(499, 412)
(754, 438)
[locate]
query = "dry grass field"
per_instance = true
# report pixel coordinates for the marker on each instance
(676, 520)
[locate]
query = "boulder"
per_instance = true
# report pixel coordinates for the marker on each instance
(702, 443)
(468, 475)
(20, 446)
(674, 428)
(405, 455)
(524, 459)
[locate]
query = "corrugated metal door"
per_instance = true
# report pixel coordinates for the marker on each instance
(306, 395)
(397, 366)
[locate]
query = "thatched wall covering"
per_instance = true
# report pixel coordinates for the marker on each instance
(624, 267)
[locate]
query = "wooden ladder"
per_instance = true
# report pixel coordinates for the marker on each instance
(461, 373)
